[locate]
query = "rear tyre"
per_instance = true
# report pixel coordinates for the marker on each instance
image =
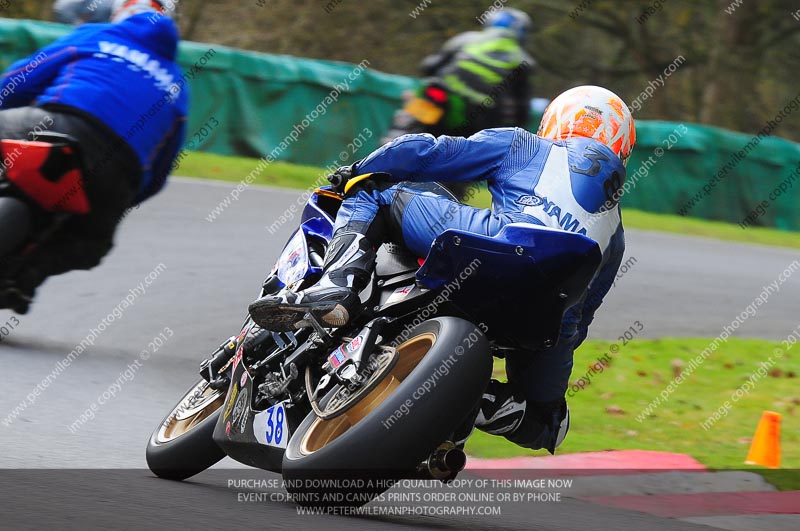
(182, 445)
(438, 379)
(16, 225)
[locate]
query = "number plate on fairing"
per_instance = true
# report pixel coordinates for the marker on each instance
(271, 427)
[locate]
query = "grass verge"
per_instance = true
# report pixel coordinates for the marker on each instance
(234, 169)
(712, 229)
(606, 413)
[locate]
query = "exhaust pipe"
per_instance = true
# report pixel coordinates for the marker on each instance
(444, 463)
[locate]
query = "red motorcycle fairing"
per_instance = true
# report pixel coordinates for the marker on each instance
(39, 172)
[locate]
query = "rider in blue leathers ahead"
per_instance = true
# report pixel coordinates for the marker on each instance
(117, 90)
(568, 177)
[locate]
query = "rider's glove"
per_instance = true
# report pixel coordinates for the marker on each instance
(339, 178)
(346, 182)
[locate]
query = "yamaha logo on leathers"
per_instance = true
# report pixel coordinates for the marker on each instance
(529, 200)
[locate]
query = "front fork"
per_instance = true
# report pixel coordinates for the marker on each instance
(214, 368)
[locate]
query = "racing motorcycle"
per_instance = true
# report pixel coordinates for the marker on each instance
(383, 397)
(41, 187)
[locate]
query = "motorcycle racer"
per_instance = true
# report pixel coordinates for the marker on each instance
(486, 73)
(566, 178)
(116, 89)
(477, 80)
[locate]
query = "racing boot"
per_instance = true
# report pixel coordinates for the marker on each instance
(15, 299)
(17, 295)
(503, 411)
(333, 300)
(500, 411)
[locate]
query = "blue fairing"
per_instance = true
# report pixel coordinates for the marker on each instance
(322, 221)
(525, 274)
(294, 264)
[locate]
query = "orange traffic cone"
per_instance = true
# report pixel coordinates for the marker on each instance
(766, 446)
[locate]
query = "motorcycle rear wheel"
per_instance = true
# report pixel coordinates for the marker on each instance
(442, 370)
(15, 225)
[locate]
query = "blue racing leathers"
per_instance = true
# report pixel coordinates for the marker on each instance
(568, 185)
(123, 75)
(117, 91)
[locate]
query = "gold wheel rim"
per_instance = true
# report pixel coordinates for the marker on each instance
(199, 403)
(323, 432)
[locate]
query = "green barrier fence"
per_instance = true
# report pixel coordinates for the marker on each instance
(712, 173)
(298, 110)
(321, 113)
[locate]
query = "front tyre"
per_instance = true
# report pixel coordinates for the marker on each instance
(182, 445)
(440, 375)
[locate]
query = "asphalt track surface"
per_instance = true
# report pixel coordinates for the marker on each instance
(678, 286)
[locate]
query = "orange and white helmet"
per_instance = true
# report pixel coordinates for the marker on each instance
(592, 112)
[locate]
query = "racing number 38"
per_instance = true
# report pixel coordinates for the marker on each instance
(275, 421)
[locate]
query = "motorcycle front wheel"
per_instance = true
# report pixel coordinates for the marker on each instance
(182, 445)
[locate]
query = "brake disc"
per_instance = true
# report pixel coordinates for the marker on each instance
(342, 398)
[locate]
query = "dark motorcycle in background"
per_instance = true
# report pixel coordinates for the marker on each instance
(383, 396)
(423, 112)
(41, 187)
(428, 110)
